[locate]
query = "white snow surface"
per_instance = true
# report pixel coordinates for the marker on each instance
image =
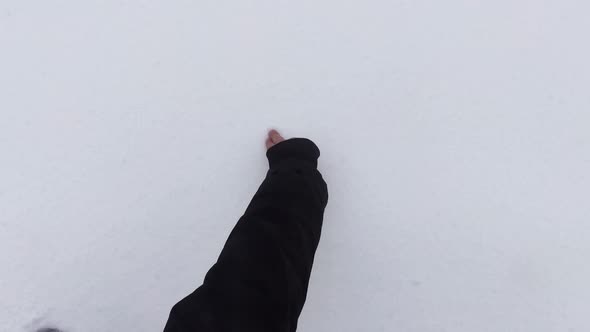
(455, 140)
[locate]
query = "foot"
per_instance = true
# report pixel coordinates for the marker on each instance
(273, 138)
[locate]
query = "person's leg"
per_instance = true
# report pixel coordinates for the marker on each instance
(260, 280)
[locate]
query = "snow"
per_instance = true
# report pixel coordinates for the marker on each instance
(454, 134)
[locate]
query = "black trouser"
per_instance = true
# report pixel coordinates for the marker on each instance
(260, 280)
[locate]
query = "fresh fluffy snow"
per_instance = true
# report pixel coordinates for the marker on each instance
(455, 140)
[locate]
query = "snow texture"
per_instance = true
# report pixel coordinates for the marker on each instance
(455, 140)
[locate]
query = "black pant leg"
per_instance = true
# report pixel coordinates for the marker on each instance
(260, 280)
